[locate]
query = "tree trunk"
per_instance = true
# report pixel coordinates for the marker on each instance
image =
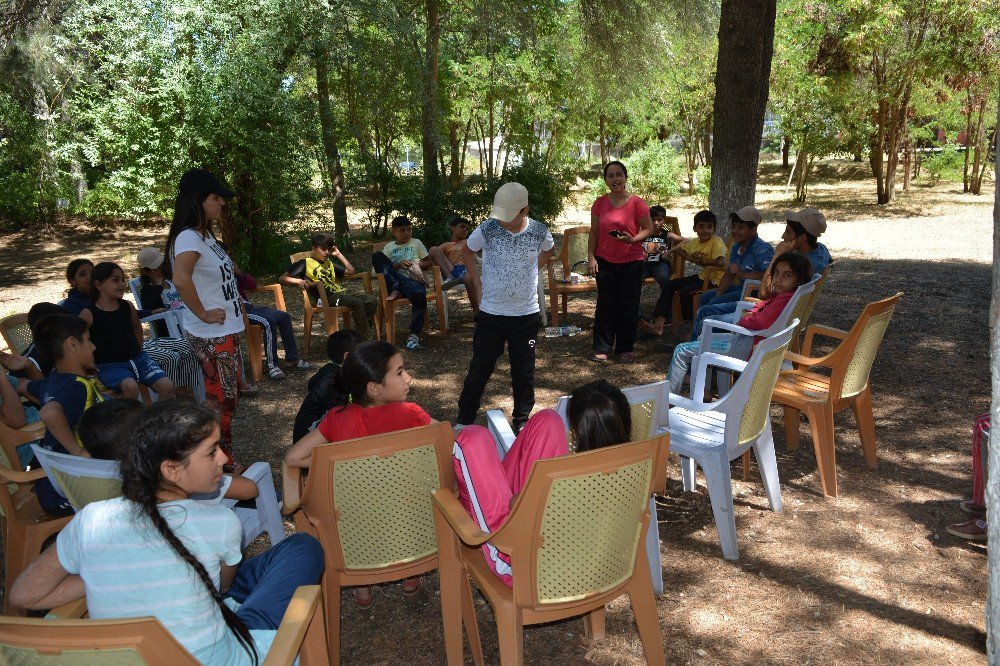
(603, 140)
(455, 172)
(993, 476)
(801, 173)
(706, 142)
(976, 178)
(968, 137)
(907, 158)
(743, 70)
(334, 168)
(430, 112)
(465, 149)
(786, 144)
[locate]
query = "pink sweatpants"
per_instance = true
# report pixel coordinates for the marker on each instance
(486, 485)
(978, 478)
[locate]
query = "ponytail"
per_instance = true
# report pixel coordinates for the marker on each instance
(368, 362)
(169, 431)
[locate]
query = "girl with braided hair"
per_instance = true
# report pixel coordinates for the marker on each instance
(155, 551)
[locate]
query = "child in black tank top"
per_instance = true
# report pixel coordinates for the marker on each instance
(117, 335)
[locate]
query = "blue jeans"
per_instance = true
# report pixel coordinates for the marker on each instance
(407, 286)
(274, 322)
(722, 308)
(264, 584)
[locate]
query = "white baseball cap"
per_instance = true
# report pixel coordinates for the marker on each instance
(509, 200)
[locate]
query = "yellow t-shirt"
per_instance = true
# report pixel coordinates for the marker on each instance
(710, 251)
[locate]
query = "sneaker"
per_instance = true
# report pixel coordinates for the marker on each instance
(973, 530)
(275, 373)
(301, 364)
(412, 342)
(451, 282)
(457, 428)
(969, 506)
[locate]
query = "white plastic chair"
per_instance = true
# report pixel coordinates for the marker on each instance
(172, 318)
(84, 480)
(714, 433)
(649, 400)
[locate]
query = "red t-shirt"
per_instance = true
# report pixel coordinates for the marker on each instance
(626, 218)
(356, 421)
(765, 313)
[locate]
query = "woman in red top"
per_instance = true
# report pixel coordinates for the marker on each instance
(370, 395)
(619, 222)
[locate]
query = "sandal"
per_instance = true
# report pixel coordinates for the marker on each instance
(362, 596)
(249, 389)
(969, 506)
(412, 585)
(626, 357)
(599, 357)
(275, 373)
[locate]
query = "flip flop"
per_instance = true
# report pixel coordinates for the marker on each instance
(362, 596)
(599, 357)
(412, 585)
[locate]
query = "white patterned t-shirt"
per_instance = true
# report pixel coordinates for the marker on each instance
(510, 266)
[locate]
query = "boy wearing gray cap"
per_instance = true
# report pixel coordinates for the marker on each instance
(514, 247)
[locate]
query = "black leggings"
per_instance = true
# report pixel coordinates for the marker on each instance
(619, 290)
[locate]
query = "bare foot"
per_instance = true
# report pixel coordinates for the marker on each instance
(650, 328)
(393, 296)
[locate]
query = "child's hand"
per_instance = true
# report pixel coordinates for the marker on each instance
(734, 269)
(14, 362)
(783, 246)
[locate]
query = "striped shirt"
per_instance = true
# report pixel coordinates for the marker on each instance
(129, 570)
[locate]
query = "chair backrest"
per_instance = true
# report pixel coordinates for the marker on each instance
(307, 301)
(649, 410)
(134, 285)
(41, 642)
(811, 301)
(747, 404)
(78, 479)
(576, 529)
(574, 247)
(370, 498)
(850, 374)
(16, 332)
(672, 224)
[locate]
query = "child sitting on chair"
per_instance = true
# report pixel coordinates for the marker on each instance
(78, 276)
(448, 256)
(319, 269)
(599, 415)
(402, 262)
(789, 271)
(322, 396)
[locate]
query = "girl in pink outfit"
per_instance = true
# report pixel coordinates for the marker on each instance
(599, 416)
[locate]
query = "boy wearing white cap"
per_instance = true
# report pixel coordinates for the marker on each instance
(514, 247)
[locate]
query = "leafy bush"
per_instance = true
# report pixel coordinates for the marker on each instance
(948, 164)
(547, 187)
(654, 173)
(702, 184)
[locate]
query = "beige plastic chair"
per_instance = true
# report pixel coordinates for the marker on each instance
(574, 537)
(144, 641)
(573, 250)
(255, 332)
(368, 501)
(16, 332)
(331, 314)
(435, 294)
(821, 396)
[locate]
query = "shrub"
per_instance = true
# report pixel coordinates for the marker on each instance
(654, 173)
(945, 165)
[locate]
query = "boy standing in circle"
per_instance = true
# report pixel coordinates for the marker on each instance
(514, 247)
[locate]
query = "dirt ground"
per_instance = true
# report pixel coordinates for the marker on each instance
(870, 577)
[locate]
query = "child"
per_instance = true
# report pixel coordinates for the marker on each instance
(402, 262)
(117, 334)
(369, 395)
(78, 276)
(788, 272)
(13, 413)
(319, 269)
(156, 293)
(448, 256)
(599, 415)
(64, 395)
(322, 397)
(707, 251)
(155, 551)
(33, 364)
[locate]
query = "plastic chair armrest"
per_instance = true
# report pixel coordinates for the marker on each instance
(279, 295)
(455, 514)
(699, 371)
(14, 476)
(500, 429)
(680, 401)
(365, 277)
(806, 361)
(749, 287)
(818, 329)
(294, 623)
(72, 610)
(32, 428)
(291, 488)
(709, 325)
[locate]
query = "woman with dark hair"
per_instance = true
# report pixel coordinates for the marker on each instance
(619, 222)
(206, 281)
(155, 551)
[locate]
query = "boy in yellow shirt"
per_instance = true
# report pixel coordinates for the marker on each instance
(706, 250)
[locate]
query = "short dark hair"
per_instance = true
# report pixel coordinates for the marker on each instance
(457, 221)
(706, 216)
(105, 430)
(342, 342)
(52, 330)
(613, 162)
(736, 219)
(401, 221)
(39, 310)
(74, 266)
(657, 211)
(799, 230)
(599, 415)
(798, 262)
(323, 240)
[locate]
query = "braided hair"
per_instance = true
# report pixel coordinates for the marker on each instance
(170, 431)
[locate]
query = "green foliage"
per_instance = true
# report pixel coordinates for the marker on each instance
(654, 172)
(702, 181)
(945, 165)
(21, 155)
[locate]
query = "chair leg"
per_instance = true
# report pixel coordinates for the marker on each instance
(554, 307)
(767, 463)
(15, 560)
(647, 617)
(719, 480)
(306, 332)
(821, 420)
(314, 650)
(792, 421)
(450, 575)
(862, 408)
(390, 324)
(688, 474)
(510, 636)
(331, 603)
(653, 550)
(745, 463)
(593, 624)
(470, 623)
(442, 314)
(676, 314)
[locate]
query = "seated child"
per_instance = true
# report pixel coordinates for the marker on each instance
(156, 293)
(598, 415)
(155, 551)
(788, 272)
(402, 262)
(369, 395)
(78, 276)
(64, 395)
(448, 256)
(322, 397)
(707, 251)
(319, 269)
(117, 335)
(13, 412)
(33, 364)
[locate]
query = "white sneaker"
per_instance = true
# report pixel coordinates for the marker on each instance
(412, 342)
(302, 365)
